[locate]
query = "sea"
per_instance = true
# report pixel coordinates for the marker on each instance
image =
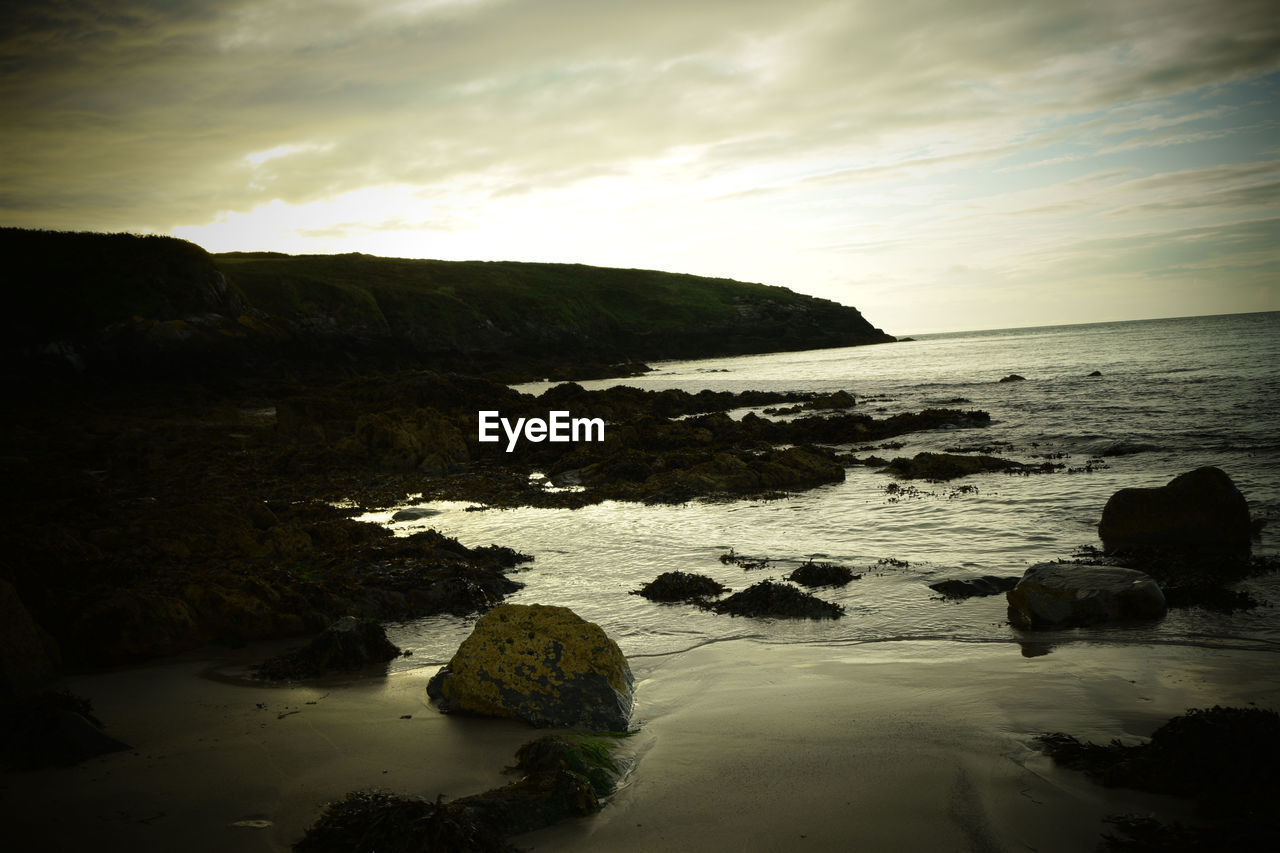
(1114, 404)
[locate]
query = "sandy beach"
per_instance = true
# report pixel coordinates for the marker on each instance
(919, 745)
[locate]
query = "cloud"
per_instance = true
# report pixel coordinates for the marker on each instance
(821, 126)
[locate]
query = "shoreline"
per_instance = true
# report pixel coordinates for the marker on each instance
(740, 745)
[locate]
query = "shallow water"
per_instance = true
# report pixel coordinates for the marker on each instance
(1196, 391)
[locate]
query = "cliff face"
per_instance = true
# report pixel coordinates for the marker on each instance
(113, 303)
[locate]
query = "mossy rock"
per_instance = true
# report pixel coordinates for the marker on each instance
(545, 665)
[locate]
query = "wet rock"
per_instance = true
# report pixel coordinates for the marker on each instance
(813, 574)
(768, 598)
(413, 513)
(1013, 377)
(544, 665)
(347, 644)
(680, 586)
(1063, 595)
(1095, 373)
(947, 466)
(1125, 447)
(1200, 512)
(974, 587)
(834, 400)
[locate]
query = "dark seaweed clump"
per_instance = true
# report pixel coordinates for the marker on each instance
(813, 574)
(346, 645)
(563, 776)
(1226, 759)
(364, 822)
(768, 598)
(680, 586)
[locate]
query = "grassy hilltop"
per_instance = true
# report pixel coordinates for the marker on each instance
(123, 300)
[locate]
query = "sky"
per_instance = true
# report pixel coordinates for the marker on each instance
(941, 165)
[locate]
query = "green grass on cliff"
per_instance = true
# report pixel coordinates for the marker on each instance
(452, 296)
(84, 289)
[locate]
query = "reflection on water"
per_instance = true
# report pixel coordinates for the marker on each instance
(1199, 391)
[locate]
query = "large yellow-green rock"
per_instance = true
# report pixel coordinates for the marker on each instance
(545, 665)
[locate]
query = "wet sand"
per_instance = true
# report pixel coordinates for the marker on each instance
(741, 746)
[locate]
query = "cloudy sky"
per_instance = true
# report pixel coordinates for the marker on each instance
(942, 164)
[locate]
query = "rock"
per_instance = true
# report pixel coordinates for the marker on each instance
(1013, 377)
(974, 587)
(776, 599)
(1064, 595)
(347, 644)
(834, 400)
(1200, 512)
(949, 466)
(822, 574)
(680, 586)
(544, 665)
(414, 513)
(28, 655)
(1124, 447)
(1096, 373)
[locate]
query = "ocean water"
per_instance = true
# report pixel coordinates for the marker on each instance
(1189, 392)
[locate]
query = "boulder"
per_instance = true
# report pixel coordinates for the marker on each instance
(414, 513)
(1199, 512)
(974, 587)
(544, 665)
(1064, 595)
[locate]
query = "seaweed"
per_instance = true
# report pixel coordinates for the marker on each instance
(768, 598)
(680, 586)
(813, 574)
(562, 776)
(1225, 759)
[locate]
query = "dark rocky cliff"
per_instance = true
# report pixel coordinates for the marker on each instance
(96, 304)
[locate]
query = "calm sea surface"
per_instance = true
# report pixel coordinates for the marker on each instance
(1193, 391)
